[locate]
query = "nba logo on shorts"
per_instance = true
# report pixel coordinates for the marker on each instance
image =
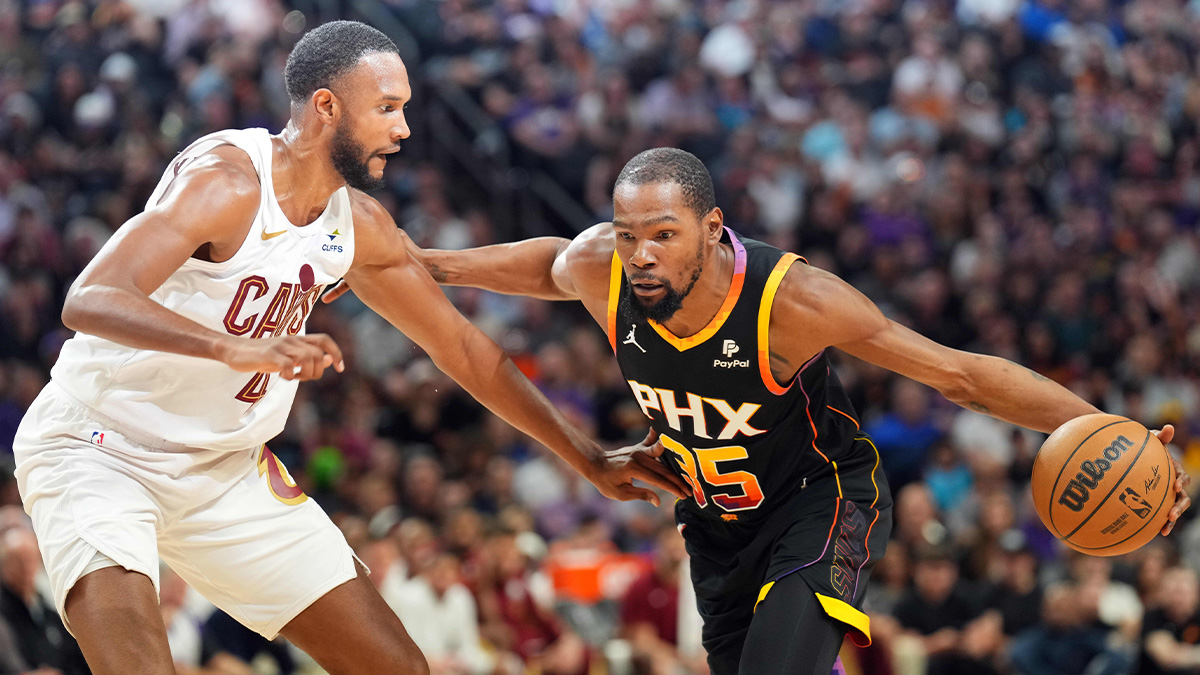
(98, 438)
(729, 348)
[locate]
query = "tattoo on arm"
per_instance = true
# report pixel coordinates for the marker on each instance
(979, 407)
(437, 273)
(779, 358)
(1038, 376)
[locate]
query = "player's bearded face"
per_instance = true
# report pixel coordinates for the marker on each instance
(671, 301)
(351, 159)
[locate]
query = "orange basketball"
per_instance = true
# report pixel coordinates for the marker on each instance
(1103, 484)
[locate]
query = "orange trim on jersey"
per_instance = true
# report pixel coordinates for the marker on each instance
(846, 415)
(814, 442)
(614, 297)
(764, 323)
(731, 298)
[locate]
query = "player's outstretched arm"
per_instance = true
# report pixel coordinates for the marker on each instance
(517, 268)
(548, 268)
(834, 314)
(985, 384)
(211, 203)
(387, 278)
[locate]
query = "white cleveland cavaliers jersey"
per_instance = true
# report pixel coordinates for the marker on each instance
(266, 289)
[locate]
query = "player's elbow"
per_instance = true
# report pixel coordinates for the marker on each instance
(955, 382)
(74, 311)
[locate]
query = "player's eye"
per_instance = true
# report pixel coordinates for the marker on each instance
(625, 236)
(388, 108)
(665, 235)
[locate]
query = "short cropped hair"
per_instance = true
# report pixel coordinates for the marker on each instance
(672, 165)
(327, 52)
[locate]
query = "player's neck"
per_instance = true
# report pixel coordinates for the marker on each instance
(302, 175)
(707, 296)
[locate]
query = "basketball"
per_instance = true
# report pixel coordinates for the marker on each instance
(1103, 484)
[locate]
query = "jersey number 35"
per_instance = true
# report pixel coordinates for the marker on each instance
(696, 462)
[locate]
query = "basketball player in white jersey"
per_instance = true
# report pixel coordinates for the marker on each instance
(148, 441)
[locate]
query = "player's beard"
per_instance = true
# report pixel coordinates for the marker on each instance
(666, 306)
(350, 159)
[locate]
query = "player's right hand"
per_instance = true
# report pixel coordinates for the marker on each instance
(294, 357)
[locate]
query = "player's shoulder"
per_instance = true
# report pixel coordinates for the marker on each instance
(806, 290)
(366, 209)
(224, 178)
(377, 238)
(590, 253)
(371, 217)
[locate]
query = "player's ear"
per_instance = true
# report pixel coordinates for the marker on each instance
(326, 104)
(714, 223)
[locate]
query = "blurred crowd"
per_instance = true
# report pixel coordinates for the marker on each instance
(1010, 177)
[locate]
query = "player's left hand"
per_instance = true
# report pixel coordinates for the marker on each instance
(1182, 480)
(614, 470)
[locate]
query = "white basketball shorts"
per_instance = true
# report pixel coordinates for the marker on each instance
(233, 525)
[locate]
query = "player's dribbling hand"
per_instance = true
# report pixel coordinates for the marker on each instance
(294, 357)
(614, 470)
(1182, 480)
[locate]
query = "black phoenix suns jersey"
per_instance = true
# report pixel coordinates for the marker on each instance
(746, 444)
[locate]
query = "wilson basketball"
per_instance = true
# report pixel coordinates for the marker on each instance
(1103, 484)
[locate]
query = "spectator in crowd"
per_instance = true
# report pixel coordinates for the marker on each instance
(41, 638)
(1065, 641)
(440, 615)
(650, 611)
(1017, 595)
(1172, 631)
(939, 614)
(515, 613)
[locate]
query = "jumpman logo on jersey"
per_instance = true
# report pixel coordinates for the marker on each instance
(631, 340)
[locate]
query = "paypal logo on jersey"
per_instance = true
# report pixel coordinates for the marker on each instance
(728, 349)
(331, 247)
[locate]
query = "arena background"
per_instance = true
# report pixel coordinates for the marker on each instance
(1013, 178)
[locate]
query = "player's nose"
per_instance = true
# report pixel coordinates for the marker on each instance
(642, 257)
(400, 130)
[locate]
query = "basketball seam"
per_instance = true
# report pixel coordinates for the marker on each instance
(1066, 463)
(1114, 487)
(1149, 520)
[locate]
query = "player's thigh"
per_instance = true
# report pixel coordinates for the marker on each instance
(791, 634)
(254, 544)
(351, 630)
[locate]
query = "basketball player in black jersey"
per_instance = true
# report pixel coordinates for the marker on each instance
(723, 341)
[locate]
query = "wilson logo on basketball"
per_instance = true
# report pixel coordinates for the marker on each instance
(1077, 492)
